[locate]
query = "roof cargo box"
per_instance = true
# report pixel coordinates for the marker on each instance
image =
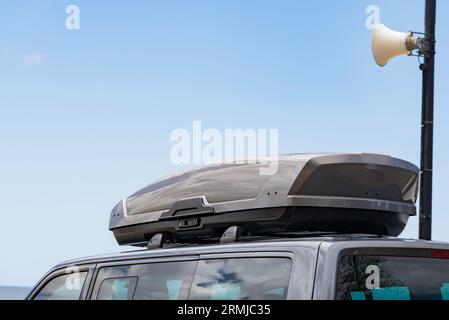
(344, 193)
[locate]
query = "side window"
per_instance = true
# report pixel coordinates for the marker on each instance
(241, 279)
(63, 287)
(392, 278)
(117, 289)
(152, 281)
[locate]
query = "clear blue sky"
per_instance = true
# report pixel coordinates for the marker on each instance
(85, 116)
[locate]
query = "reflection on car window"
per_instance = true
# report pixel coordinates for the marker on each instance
(63, 287)
(242, 279)
(117, 289)
(153, 281)
(392, 278)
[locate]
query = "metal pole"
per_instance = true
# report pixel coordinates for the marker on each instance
(428, 69)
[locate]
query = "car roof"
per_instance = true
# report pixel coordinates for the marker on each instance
(268, 244)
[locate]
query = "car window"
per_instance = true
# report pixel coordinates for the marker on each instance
(241, 279)
(117, 289)
(152, 281)
(392, 278)
(63, 287)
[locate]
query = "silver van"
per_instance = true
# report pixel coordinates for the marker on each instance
(321, 227)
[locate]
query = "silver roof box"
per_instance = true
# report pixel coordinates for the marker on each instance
(349, 193)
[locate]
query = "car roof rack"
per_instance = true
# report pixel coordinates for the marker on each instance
(342, 193)
(158, 241)
(232, 234)
(236, 234)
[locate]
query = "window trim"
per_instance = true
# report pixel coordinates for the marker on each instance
(61, 271)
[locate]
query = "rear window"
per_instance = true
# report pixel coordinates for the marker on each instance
(392, 278)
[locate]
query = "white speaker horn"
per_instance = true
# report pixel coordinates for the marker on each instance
(387, 44)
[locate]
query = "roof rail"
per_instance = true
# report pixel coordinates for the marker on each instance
(238, 233)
